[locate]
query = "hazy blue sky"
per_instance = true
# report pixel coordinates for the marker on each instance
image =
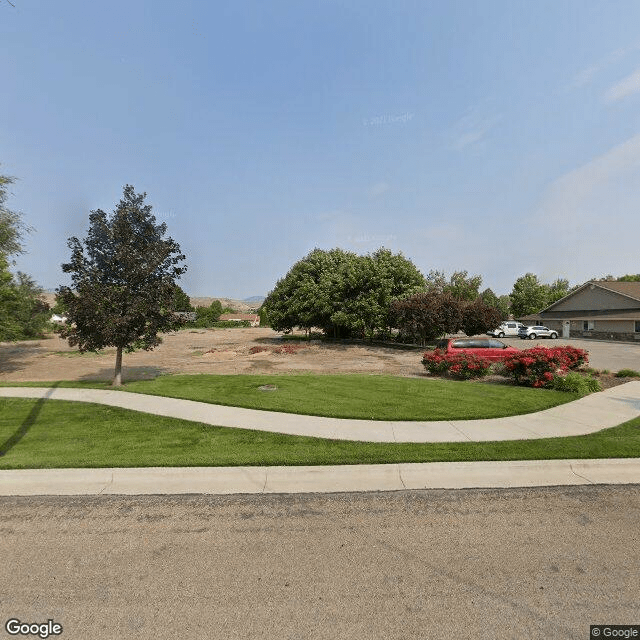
(499, 137)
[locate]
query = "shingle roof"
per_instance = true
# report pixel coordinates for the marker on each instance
(631, 289)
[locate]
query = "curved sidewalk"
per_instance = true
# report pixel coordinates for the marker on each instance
(585, 415)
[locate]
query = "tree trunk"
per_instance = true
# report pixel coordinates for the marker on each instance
(117, 376)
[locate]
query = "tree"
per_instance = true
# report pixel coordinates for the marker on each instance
(427, 315)
(12, 227)
(558, 289)
(478, 317)
(460, 285)
(181, 301)
(502, 303)
(629, 278)
(529, 295)
(340, 292)
(464, 287)
(208, 316)
(123, 276)
(22, 313)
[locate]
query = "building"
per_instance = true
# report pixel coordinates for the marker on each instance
(601, 309)
(252, 318)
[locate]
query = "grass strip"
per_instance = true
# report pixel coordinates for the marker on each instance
(368, 397)
(63, 434)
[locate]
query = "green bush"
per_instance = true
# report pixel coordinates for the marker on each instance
(575, 383)
(231, 324)
(628, 373)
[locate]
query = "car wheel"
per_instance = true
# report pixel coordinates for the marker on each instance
(532, 336)
(501, 335)
(553, 336)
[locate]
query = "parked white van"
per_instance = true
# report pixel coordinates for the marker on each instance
(508, 328)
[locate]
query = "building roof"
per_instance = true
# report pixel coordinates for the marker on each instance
(628, 289)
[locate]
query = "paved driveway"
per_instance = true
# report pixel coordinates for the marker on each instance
(602, 355)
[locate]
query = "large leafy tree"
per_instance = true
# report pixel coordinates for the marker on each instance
(341, 292)
(529, 295)
(12, 226)
(558, 289)
(22, 312)
(460, 285)
(123, 275)
(502, 303)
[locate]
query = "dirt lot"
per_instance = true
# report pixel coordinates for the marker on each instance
(257, 350)
(224, 351)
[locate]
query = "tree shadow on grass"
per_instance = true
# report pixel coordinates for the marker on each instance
(129, 374)
(27, 423)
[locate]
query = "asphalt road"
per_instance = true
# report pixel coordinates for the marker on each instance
(517, 563)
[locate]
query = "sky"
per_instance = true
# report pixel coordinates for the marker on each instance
(499, 137)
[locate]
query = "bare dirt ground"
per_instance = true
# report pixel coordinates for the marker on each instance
(253, 351)
(222, 351)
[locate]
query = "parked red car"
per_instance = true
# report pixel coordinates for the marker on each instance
(488, 348)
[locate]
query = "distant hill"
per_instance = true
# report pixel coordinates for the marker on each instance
(242, 306)
(239, 305)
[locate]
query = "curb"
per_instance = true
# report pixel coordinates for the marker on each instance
(329, 479)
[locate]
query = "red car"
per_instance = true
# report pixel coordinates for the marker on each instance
(488, 348)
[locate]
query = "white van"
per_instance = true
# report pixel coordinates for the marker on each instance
(508, 328)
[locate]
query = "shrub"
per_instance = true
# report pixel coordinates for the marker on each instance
(258, 349)
(628, 373)
(575, 383)
(461, 366)
(436, 361)
(537, 367)
(577, 357)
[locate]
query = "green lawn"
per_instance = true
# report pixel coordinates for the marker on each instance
(57, 434)
(368, 397)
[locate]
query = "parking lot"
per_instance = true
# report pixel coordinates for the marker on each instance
(602, 355)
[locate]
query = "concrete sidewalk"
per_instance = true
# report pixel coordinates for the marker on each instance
(586, 415)
(328, 479)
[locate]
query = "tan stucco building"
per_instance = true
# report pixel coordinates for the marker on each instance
(598, 309)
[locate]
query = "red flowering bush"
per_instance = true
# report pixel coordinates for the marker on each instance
(577, 357)
(436, 361)
(462, 366)
(537, 367)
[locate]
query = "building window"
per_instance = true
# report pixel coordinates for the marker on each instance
(588, 325)
(637, 326)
